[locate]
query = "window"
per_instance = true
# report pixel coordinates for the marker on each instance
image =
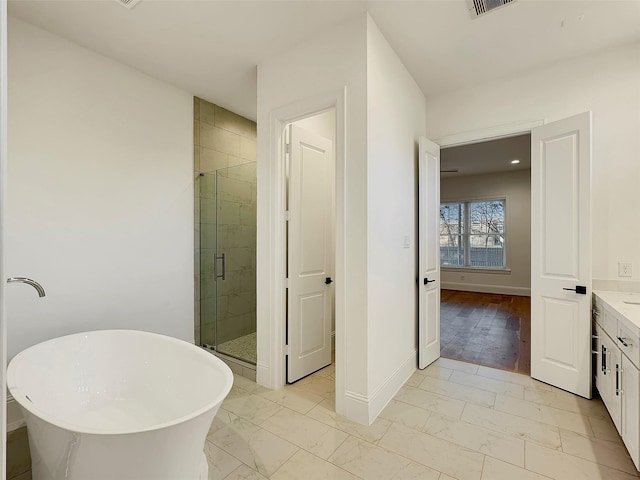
(472, 234)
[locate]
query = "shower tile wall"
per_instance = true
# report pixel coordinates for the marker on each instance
(223, 139)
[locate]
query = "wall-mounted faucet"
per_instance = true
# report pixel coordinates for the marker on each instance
(28, 281)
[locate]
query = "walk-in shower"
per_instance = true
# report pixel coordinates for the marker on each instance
(228, 261)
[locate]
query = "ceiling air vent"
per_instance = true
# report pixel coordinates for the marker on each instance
(480, 7)
(128, 4)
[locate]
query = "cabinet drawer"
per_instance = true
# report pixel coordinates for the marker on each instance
(628, 343)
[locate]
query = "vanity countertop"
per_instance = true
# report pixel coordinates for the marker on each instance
(626, 304)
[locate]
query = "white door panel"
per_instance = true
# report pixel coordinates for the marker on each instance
(561, 254)
(429, 253)
(310, 253)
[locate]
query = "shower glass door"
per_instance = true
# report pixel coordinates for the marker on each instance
(228, 261)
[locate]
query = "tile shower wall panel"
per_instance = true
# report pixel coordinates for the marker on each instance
(225, 221)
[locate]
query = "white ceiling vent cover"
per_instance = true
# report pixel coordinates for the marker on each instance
(480, 7)
(128, 4)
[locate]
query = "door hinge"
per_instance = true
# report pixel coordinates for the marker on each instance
(287, 148)
(287, 349)
(286, 283)
(286, 215)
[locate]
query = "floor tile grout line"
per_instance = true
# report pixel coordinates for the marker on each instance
(478, 451)
(564, 409)
(637, 474)
(540, 421)
(514, 435)
(442, 394)
(404, 456)
(485, 390)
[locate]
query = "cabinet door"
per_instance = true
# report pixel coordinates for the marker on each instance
(603, 377)
(614, 363)
(630, 384)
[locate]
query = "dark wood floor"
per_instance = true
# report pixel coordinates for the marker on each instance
(486, 329)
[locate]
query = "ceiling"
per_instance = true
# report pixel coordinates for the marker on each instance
(487, 157)
(211, 48)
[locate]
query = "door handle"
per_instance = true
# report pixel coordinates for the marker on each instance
(215, 266)
(426, 281)
(328, 281)
(581, 289)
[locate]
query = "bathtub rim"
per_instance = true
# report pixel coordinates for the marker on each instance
(20, 397)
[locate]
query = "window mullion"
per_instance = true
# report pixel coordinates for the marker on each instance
(467, 235)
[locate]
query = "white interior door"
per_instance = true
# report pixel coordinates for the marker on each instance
(561, 254)
(429, 252)
(310, 253)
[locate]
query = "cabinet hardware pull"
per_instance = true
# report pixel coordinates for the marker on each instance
(595, 312)
(618, 391)
(624, 340)
(603, 363)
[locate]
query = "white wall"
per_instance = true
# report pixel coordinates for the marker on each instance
(516, 188)
(329, 63)
(100, 194)
(323, 124)
(608, 83)
(385, 114)
(396, 119)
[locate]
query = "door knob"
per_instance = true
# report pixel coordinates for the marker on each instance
(426, 281)
(328, 281)
(581, 289)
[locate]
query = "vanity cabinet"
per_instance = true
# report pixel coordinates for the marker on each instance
(630, 384)
(617, 377)
(608, 375)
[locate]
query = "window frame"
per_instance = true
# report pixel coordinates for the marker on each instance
(466, 235)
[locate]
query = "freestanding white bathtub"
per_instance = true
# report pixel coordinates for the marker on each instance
(118, 405)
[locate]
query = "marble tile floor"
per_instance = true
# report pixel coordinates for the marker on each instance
(452, 420)
(243, 348)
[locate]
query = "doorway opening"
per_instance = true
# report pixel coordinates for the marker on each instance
(310, 207)
(485, 253)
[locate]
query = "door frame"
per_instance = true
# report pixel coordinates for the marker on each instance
(487, 134)
(270, 367)
(3, 190)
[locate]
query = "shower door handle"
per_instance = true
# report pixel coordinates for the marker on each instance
(215, 266)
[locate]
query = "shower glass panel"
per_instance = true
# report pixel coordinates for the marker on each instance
(228, 261)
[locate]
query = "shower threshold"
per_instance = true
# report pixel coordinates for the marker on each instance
(242, 348)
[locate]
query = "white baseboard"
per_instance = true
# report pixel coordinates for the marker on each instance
(389, 388)
(481, 288)
(15, 420)
(365, 409)
(263, 376)
(356, 407)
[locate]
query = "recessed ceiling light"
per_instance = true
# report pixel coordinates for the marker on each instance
(514, 162)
